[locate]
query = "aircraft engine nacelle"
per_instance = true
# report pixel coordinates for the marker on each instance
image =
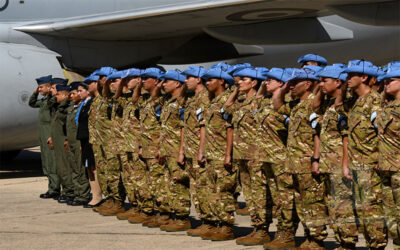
(20, 65)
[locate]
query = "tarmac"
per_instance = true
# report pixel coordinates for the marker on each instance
(28, 222)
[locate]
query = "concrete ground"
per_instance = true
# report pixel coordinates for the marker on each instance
(28, 222)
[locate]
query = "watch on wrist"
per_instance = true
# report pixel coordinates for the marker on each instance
(313, 159)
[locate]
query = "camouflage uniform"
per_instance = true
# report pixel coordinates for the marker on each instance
(170, 138)
(310, 189)
(271, 142)
(195, 107)
(339, 192)
(252, 175)
(78, 175)
(150, 127)
(221, 181)
(363, 158)
(97, 118)
(389, 165)
(135, 176)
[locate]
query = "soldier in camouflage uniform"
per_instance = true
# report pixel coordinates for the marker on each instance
(73, 148)
(252, 175)
(363, 151)
(271, 142)
(388, 122)
(171, 134)
(308, 181)
(222, 176)
(333, 137)
(195, 105)
(113, 149)
(47, 155)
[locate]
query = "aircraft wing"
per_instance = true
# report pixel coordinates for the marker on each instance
(201, 16)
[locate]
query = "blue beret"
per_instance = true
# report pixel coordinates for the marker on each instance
(314, 58)
(250, 72)
(58, 81)
(174, 75)
(222, 65)
(340, 65)
(238, 67)
(391, 65)
(43, 79)
(62, 87)
(289, 71)
(194, 71)
(304, 74)
(74, 85)
(152, 73)
(91, 78)
(104, 71)
(362, 67)
(392, 72)
(133, 72)
(314, 68)
(278, 74)
(116, 75)
(335, 72)
(218, 73)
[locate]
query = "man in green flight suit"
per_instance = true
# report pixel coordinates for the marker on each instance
(48, 161)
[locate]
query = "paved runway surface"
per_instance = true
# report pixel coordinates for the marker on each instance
(28, 222)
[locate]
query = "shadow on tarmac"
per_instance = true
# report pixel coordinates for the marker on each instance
(26, 164)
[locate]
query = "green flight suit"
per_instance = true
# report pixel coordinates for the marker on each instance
(48, 161)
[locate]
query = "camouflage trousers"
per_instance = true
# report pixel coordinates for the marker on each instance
(340, 206)
(133, 172)
(113, 173)
(310, 204)
(101, 165)
(198, 189)
(369, 208)
(158, 185)
(257, 195)
(221, 184)
(179, 182)
(391, 206)
(280, 184)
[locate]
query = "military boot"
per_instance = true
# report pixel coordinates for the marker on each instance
(224, 232)
(311, 244)
(198, 231)
(209, 231)
(118, 207)
(258, 237)
(106, 205)
(142, 217)
(129, 213)
(283, 240)
(177, 225)
(159, 220)
(243, 211)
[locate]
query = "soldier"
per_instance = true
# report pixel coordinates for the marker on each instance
(171, 136)
(252, 175)
(312, 59)
(48, 162)
(150, 127)
(363, 151)
(58, 137)
(333, 137)
(195, 105)
(271, 142)
(222, 176)
(301, 159)
(388, 122)
(73, 149)
(116, 103)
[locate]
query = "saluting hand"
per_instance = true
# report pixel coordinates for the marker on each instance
(36, 90)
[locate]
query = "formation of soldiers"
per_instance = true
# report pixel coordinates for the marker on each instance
(317, 144)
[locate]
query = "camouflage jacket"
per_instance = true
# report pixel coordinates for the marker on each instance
(103, 121)
(271, 133)
(216, 123)
(300, 142)
(333, 129)
(94, 136)
(388, 121)
(194, 118)
(71, 126)
(150, 125)
(245, 132)
(363, 136)
(131, 126)
(171, 118)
